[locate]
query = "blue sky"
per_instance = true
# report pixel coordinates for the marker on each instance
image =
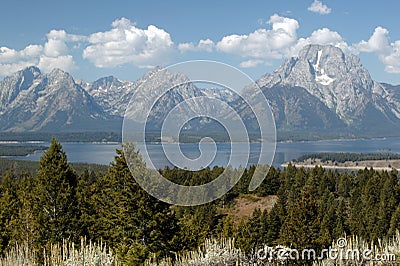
(91, 39)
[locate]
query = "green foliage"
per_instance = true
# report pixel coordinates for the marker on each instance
(301, 228)
(20, 168)
(196, 224)
(127, 217)
(52, 201)
(253, 233)
(395, 222)
(8, 209)
(18, 150)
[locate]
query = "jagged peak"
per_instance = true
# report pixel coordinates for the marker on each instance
(58, 74)
(312, 49)
(20, 80)
(29, 72)
(32, 69)
(108, 80)
(323, 62)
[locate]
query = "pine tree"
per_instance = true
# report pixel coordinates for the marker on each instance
(394, 222)
(341, 229)
(24, 230)
(9, 206)
(356, 219)
(226, 227)
(84, 193)
(126, 216)
(55, 203)
(251, 233)
(271, 183)
(301, 228)
(344, 185)
(327, 216)
(197, 224)
(276, 218)
(387, 204)
(371, 196)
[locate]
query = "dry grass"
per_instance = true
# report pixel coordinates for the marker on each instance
(91, 254)
(212, 252)
(245, 205)
(384, 252)
(224, 253)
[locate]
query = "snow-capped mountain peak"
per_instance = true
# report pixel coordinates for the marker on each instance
(321, 89)
(338, 80)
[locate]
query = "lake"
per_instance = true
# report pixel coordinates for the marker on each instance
(101, 153)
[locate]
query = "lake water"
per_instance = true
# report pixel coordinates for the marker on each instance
(285, 151)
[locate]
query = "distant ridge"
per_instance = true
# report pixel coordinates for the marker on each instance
(321, 91)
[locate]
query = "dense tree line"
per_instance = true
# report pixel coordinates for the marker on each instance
(18, 150)
(314, 207)
(21, 168)
(342, 157)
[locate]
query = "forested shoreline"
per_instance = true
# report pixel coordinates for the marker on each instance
(314, 208)
(342, 157)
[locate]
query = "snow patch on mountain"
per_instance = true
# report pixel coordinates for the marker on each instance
(321, 87)
(320, 76)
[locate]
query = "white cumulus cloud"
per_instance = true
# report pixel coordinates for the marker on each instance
(206, 45)
(202, 46)
(377, 42)
(9, 68)
(64, 36)
(388, 53)
(251, 63)
(262, 43)
(8, 55)
(322, 36)
(55, 48)
(53, 54)
(64, 62)
(12, 60)
(187, 47)
(125, 43)
(392, 59)
(319, 7)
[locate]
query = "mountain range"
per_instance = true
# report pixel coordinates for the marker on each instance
(321, 91)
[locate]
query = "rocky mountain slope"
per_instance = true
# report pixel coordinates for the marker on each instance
(31, 100)
(351, 100)
(322, 90)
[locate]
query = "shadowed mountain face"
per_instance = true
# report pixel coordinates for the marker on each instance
(330, 91)
(31, 100)
(295, 109)
(322, 90)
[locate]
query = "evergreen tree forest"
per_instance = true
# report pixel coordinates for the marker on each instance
(313, 208)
